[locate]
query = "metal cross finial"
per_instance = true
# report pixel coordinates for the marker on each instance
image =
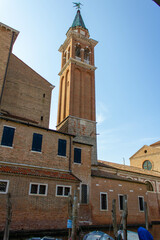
(77, 5)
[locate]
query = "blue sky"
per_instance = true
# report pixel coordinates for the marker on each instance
(127, 58)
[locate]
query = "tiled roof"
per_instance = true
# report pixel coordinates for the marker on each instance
(128, 168)
(78, 21)
(37, 172)
(103, 174)
(155, 144)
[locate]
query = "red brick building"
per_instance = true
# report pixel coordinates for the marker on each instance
(41, 167)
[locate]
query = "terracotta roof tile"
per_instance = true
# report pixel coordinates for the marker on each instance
(37, 172)
(155, 144)
(128, 168)
(103, 174)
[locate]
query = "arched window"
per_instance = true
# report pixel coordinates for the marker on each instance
(149, 186)
(147, 165)
(86, 55)
(78, 51)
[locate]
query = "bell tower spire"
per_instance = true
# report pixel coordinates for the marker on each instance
(76, 108)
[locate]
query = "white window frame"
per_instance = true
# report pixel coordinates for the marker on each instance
(119, 200)
(139, 204)
(2, 135)
(7, 181)
(37, 194)
(106, 201)
(64, 186)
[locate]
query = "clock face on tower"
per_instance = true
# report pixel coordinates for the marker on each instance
(147, 165)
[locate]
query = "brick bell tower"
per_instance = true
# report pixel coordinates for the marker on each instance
(76, 108)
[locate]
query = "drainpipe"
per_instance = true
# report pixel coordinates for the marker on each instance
(70, 149)
(10, 50)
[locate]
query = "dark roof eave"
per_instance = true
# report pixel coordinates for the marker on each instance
(113, 177)
(36, 126)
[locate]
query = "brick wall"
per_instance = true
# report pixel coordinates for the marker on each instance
(26, 94)
(85, 131)
(31, 212)
(113, 188)
(5, 41)
(22, 153)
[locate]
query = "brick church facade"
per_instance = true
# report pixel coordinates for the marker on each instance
(41, 167)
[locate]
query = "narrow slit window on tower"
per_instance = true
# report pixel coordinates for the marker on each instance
(44, 95)
(69, 53)
(64, 58)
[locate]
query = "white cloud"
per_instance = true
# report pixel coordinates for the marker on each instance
(102, 113)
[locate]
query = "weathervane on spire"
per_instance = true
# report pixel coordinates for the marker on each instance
(77, 5)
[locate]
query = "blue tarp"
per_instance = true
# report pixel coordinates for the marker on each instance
(144, 234)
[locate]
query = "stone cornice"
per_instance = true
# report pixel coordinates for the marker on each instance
(15, 32)
(79, 37)
(9, 28)
(79, 63)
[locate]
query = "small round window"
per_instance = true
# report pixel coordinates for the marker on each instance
(147, 165)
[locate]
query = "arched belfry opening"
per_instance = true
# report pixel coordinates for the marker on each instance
(86, 55)
(78, 51)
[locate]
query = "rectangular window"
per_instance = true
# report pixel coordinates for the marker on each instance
(121, 197)
(84, 193)
(7, 137)
(61, 147)
(141, 204)
(37, 142)
(77, 155)
(63, 191)
(103, 201)
(38, 189)
(4, 186)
